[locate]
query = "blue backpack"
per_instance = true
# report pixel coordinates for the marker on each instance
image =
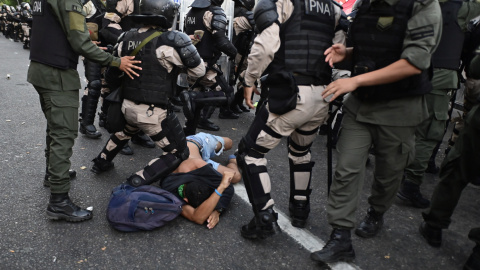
(144, 208)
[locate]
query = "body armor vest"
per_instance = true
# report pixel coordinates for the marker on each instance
(378, 43)
(49, 44)
(194, 21)
(449, 49)
(154, 85)
(304, 37)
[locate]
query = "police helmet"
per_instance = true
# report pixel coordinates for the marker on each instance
(156, 12)
(25, 5)
(217, 2)
(248, 4)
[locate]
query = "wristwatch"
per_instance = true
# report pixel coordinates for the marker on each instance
(220, 210)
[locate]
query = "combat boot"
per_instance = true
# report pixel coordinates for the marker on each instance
(299, 211)
(142, 139)
(338, 248)
(61, 207)
(46, 181)
(89, 130)
(473, 262)
(126, 150)
(204, 122)
(371, 225)
(431, 234)
(263, 225)
(410, 193)
(226, 113)
(101, 165)
(89, 106)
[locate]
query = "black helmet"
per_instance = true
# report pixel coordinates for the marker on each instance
(25, 5)
(248, 4)
(156, 12)
(217, 2)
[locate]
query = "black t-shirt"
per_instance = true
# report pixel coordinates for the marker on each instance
(207, 175)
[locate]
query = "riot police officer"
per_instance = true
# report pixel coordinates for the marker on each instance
(446, 64)
(146, 103)
(208, 17)
(93, 72)
(60, 35)
(26, 16)
(244, 27)
(392, 46)
(293, 57)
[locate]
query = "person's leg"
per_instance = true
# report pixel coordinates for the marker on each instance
(60, 109)
(393, 151)
(93, 74)
(427, 136)
(353, 146)
(166, 131)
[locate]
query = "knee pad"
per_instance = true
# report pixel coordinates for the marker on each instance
(155, 171)
(95, 88)
(297, 150)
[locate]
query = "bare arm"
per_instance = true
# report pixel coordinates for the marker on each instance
(394, 72)
(200, 214)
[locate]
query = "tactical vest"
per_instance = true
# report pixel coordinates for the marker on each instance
(377, 34)
(242, 40)
(48, 43)
(449, 49)
(194, 21)
(304, 37)
(154, 85)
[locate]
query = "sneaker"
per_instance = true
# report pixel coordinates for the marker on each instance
(262, 225)
(338, 248)
(371, 225)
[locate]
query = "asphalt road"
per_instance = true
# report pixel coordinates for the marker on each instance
(28, 240)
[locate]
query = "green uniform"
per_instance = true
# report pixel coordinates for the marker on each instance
(430, 132)
(58, 91)
(388, 125)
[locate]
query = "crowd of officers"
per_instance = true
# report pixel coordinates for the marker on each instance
(395, 105)
(16, 23)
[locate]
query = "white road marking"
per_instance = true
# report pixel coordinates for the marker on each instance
(305, 238)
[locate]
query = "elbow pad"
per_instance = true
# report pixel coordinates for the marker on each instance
(265, 14)
(223, 44)
(219, 19)
(184, 47)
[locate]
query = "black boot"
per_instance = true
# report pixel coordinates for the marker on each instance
(410, 192)
(101, 165)
(204, 122)
(89, 107)
(371, 225)
(338, 248)
(46, 182)
(263, 225)
(299, 211)
(126, 150)
(432, 167)
(142, 139)
(431, 234)
(473, 262)
(226, 113)
(61, 207)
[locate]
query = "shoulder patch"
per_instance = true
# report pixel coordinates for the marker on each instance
(421, 32)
